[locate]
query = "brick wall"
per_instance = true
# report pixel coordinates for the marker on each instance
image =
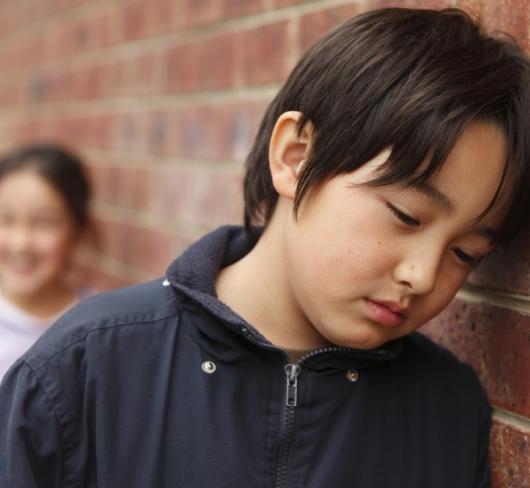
(162, 99)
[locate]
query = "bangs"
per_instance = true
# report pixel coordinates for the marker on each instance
(409, 80)
(414, 165)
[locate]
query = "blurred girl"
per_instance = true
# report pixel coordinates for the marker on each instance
(44, 195)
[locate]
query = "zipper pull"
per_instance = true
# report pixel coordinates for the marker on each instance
(291, 372)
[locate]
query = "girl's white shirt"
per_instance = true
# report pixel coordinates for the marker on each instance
(19, 330)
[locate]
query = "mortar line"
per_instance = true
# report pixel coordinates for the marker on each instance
(131, 159)
(139, 102)
(475, 294)
(512, 419)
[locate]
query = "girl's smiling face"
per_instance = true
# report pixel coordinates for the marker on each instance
(365, 265)
(37, 234)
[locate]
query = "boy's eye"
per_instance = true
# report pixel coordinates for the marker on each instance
(466, 258)
(402, 216)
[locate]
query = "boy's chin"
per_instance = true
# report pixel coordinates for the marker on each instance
(362, 343)
(372, 337)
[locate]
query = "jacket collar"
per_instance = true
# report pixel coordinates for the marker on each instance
(193, 274)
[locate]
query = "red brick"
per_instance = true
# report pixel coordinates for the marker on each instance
(90, 31)
(144, 248)
(219, 131)
(285, 3)
(511, 16)
(113, 79)
(236, 8)
(30, 52)
(198, 12)
(508, 357)
(134, 19)
(316, 24)
(87, 84)
(104, 280)
(123, 185)
(510, 456)
(8, 95)
(215, 132)
(182, 67)
(434, 4)
(160, 13)
(67, 4)
(107, 24)
(507, 268)
(160, 126)
(496, 342)
(206, 197)
(4, 23)
(202, 65)
(100, 279)
(263, 54)
(106, 182)
(461, 330)
(100, 131)
(129, 131)
(142, 18)
(202, 12)
(142, 74)
(75, 130)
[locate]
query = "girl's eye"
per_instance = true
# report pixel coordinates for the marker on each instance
(466, 258)
(45, 223)
(402, 216)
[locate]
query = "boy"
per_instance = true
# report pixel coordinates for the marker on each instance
(394, 158)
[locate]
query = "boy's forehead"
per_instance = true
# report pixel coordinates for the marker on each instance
(470, 177)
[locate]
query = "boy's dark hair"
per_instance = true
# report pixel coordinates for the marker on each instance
(60, 168)
(405, 79)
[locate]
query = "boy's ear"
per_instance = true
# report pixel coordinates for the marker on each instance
(288, 152)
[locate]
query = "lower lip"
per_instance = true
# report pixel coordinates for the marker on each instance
(383, 314)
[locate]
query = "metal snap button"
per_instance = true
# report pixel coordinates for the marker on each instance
(352, 375)
(166, 282)
(209, 367)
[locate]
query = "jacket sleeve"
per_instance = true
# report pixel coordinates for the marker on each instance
(483, 478)
(31, 453)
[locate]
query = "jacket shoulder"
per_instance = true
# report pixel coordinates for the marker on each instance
(433, 364)
(421, 344)
(140, 304)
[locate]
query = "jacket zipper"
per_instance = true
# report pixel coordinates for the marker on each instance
(292, 371)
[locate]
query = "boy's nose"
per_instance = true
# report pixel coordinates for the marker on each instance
(418, 273)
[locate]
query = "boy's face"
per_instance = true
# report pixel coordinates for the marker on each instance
(369, 264)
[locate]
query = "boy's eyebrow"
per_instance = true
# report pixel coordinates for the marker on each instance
(434, 194)
(443, 201)
(489, 233)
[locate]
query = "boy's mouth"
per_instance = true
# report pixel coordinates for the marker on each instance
(386, 313)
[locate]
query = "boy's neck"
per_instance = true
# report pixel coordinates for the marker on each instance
(256, 288)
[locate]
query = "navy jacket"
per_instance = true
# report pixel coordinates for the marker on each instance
(161, 385)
